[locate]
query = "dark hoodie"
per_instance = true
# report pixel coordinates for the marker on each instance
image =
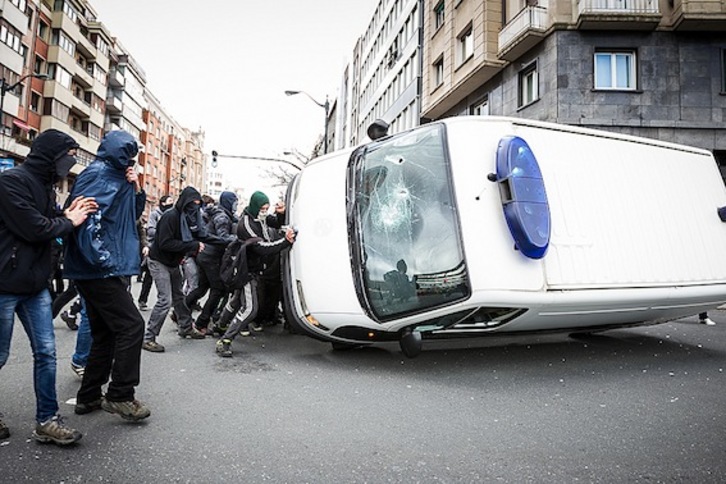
(28, 217)
(222, 220)
(107, 244)
(180, 229)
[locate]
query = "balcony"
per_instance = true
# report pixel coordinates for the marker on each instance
(699, 15)
(115, 78)
(114, 104)
(523, 32)
(618, 14)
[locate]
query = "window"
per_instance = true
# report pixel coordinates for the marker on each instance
(723, 71)
(10, 36)
(466, 45)
(43, 30)
(34, 102)
(439, 15)
(528, 85)
(481, 108)
(439, 72)
(615, 70)
(399, 211)
(21, 4)
(62, 76)
(62, 40)
(39, 65)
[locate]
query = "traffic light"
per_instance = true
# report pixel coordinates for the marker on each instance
(214, 158)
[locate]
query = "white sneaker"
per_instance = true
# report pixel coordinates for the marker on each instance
(707, 322)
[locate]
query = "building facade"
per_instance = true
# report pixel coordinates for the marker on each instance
(68, 72)
(385, 72)
(647, 68)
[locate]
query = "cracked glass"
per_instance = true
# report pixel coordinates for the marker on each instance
(407, 247)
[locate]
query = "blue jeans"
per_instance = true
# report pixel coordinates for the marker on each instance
(34, 311)
(83, 339)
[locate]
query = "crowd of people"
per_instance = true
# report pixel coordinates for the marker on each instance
(193, 249)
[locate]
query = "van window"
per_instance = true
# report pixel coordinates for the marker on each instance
(405, 242)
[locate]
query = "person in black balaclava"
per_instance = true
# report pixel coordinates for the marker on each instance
(222, 219)
(165, 203)
(29, 222)
(179, 233)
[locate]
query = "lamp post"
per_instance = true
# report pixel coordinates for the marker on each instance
(4, 88)
(215, 155)
(325, 106)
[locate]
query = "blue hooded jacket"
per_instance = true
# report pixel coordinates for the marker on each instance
(107, 244)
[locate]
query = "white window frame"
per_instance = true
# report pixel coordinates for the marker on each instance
(438, 72)
(466, 44)
(616, 61)
(439, 14)
(481, 108)
(528, 85)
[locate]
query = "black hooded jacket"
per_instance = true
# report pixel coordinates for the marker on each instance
(169, 246)
(28, 217)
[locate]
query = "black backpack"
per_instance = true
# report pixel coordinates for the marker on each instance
(233, 269)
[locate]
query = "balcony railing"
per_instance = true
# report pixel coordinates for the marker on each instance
(533, 19)
(618, 6)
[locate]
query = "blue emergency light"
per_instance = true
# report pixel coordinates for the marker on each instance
(523, 195)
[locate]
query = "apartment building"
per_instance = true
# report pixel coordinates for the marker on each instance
(68, 72)
(77, 60)
(195, 160)
(643, 67)
(125, 100)
(385, 71)
(155, 158)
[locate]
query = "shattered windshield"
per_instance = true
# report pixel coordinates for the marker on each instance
(406, 243)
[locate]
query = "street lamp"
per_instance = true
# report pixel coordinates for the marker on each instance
(5, 87)
(215, 154)
(325, 106)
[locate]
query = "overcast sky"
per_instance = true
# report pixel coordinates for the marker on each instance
(224, 65)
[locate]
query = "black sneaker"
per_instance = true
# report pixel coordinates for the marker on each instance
(143, 306)
(190, 333)
(78, 370)
(224, 348)
(4, 430)
(69, 320)
(84, 408)
(55, 431)
(153, 346)
(132, 410)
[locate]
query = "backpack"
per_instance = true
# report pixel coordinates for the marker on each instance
(233, 268)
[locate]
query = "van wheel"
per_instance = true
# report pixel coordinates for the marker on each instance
(411, 343)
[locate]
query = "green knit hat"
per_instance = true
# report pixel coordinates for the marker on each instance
(256, 202)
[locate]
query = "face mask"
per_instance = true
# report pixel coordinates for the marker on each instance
(234, 207)
(164, 208)
(63, 166)
(191, 212)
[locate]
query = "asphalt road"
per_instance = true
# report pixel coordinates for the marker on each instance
(638, 405)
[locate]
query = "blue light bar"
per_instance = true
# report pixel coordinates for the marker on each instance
(524, 199)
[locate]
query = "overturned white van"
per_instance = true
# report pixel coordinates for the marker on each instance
(482, 225)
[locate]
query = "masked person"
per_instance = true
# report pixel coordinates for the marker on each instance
(29, 222)
(180, 233)
(256, 222)
(101, 257)
(165, 203)
(221, 220)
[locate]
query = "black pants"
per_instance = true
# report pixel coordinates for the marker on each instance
(208, 277)
(146, 283)
(269, 293)
(117, 329)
